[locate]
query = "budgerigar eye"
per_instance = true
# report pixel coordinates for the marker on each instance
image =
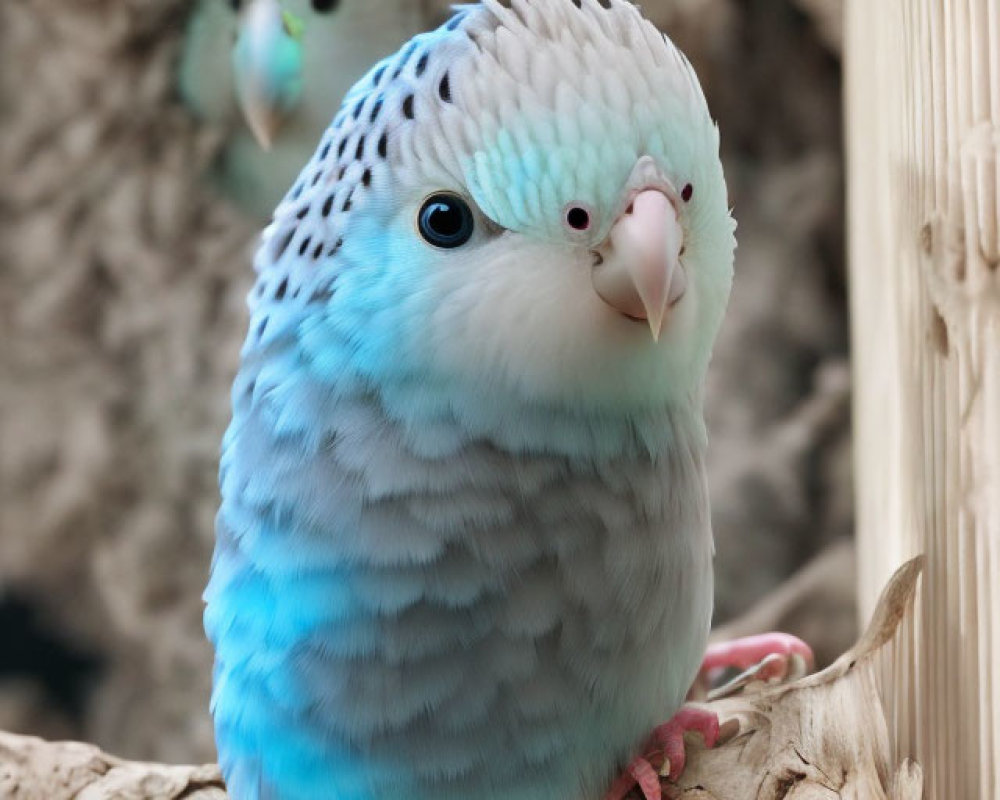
(325, 6)
(445, 220)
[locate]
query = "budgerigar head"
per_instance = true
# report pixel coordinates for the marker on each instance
(528, 202)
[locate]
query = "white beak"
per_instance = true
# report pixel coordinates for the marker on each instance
(639, 271)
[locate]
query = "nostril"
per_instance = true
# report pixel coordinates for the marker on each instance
(578, 218)
(630, 209)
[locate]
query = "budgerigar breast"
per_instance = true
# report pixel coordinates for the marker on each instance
(475, 625)
(424, 587)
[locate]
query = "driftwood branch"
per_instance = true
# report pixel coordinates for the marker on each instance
(821, 736)
(823, 733)
(32, 769)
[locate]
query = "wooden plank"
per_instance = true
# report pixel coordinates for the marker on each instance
(923, 135)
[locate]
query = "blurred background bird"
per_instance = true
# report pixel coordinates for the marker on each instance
(274, 73)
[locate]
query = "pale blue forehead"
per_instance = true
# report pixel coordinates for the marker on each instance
(525, 173)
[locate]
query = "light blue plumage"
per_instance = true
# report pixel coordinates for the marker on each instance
(464, 547)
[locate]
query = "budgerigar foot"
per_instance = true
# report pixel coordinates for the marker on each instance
(664, 753)
(774, 657)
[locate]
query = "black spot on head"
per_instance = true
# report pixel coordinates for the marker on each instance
(605, 3)
(422, 64)
(323, 292)
(342, 172)
(302, 212)
(325, 151)
(261, 328)
(336, 246)
(341, 148)
(358, 106)
(347, 203)
(376, 109)
(455, 21)
(318, 251)
(304, 245)
(379, 74)
(444, 88)
(383, 145)
(297, 191)
(327, 206)
(316, 177)
(282, 289)
(408, 106)
(360, 152)
(250, 387)
(366, 178)
(406, 55)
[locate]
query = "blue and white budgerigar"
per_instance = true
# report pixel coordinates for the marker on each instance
(282, 67)
(464, 548)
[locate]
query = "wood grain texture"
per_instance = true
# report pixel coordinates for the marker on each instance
(923, 108)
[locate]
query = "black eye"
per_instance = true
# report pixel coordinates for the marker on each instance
(325, 6)
(687, 192)
(445, 220)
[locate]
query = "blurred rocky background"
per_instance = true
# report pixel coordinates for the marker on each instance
(123, 271)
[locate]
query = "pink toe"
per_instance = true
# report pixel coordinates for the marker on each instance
(746, 652)
(639, 773)
(667, 740)
(670, 736)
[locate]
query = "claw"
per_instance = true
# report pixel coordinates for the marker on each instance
(639, 773)
(665, 747)
(670, 736)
